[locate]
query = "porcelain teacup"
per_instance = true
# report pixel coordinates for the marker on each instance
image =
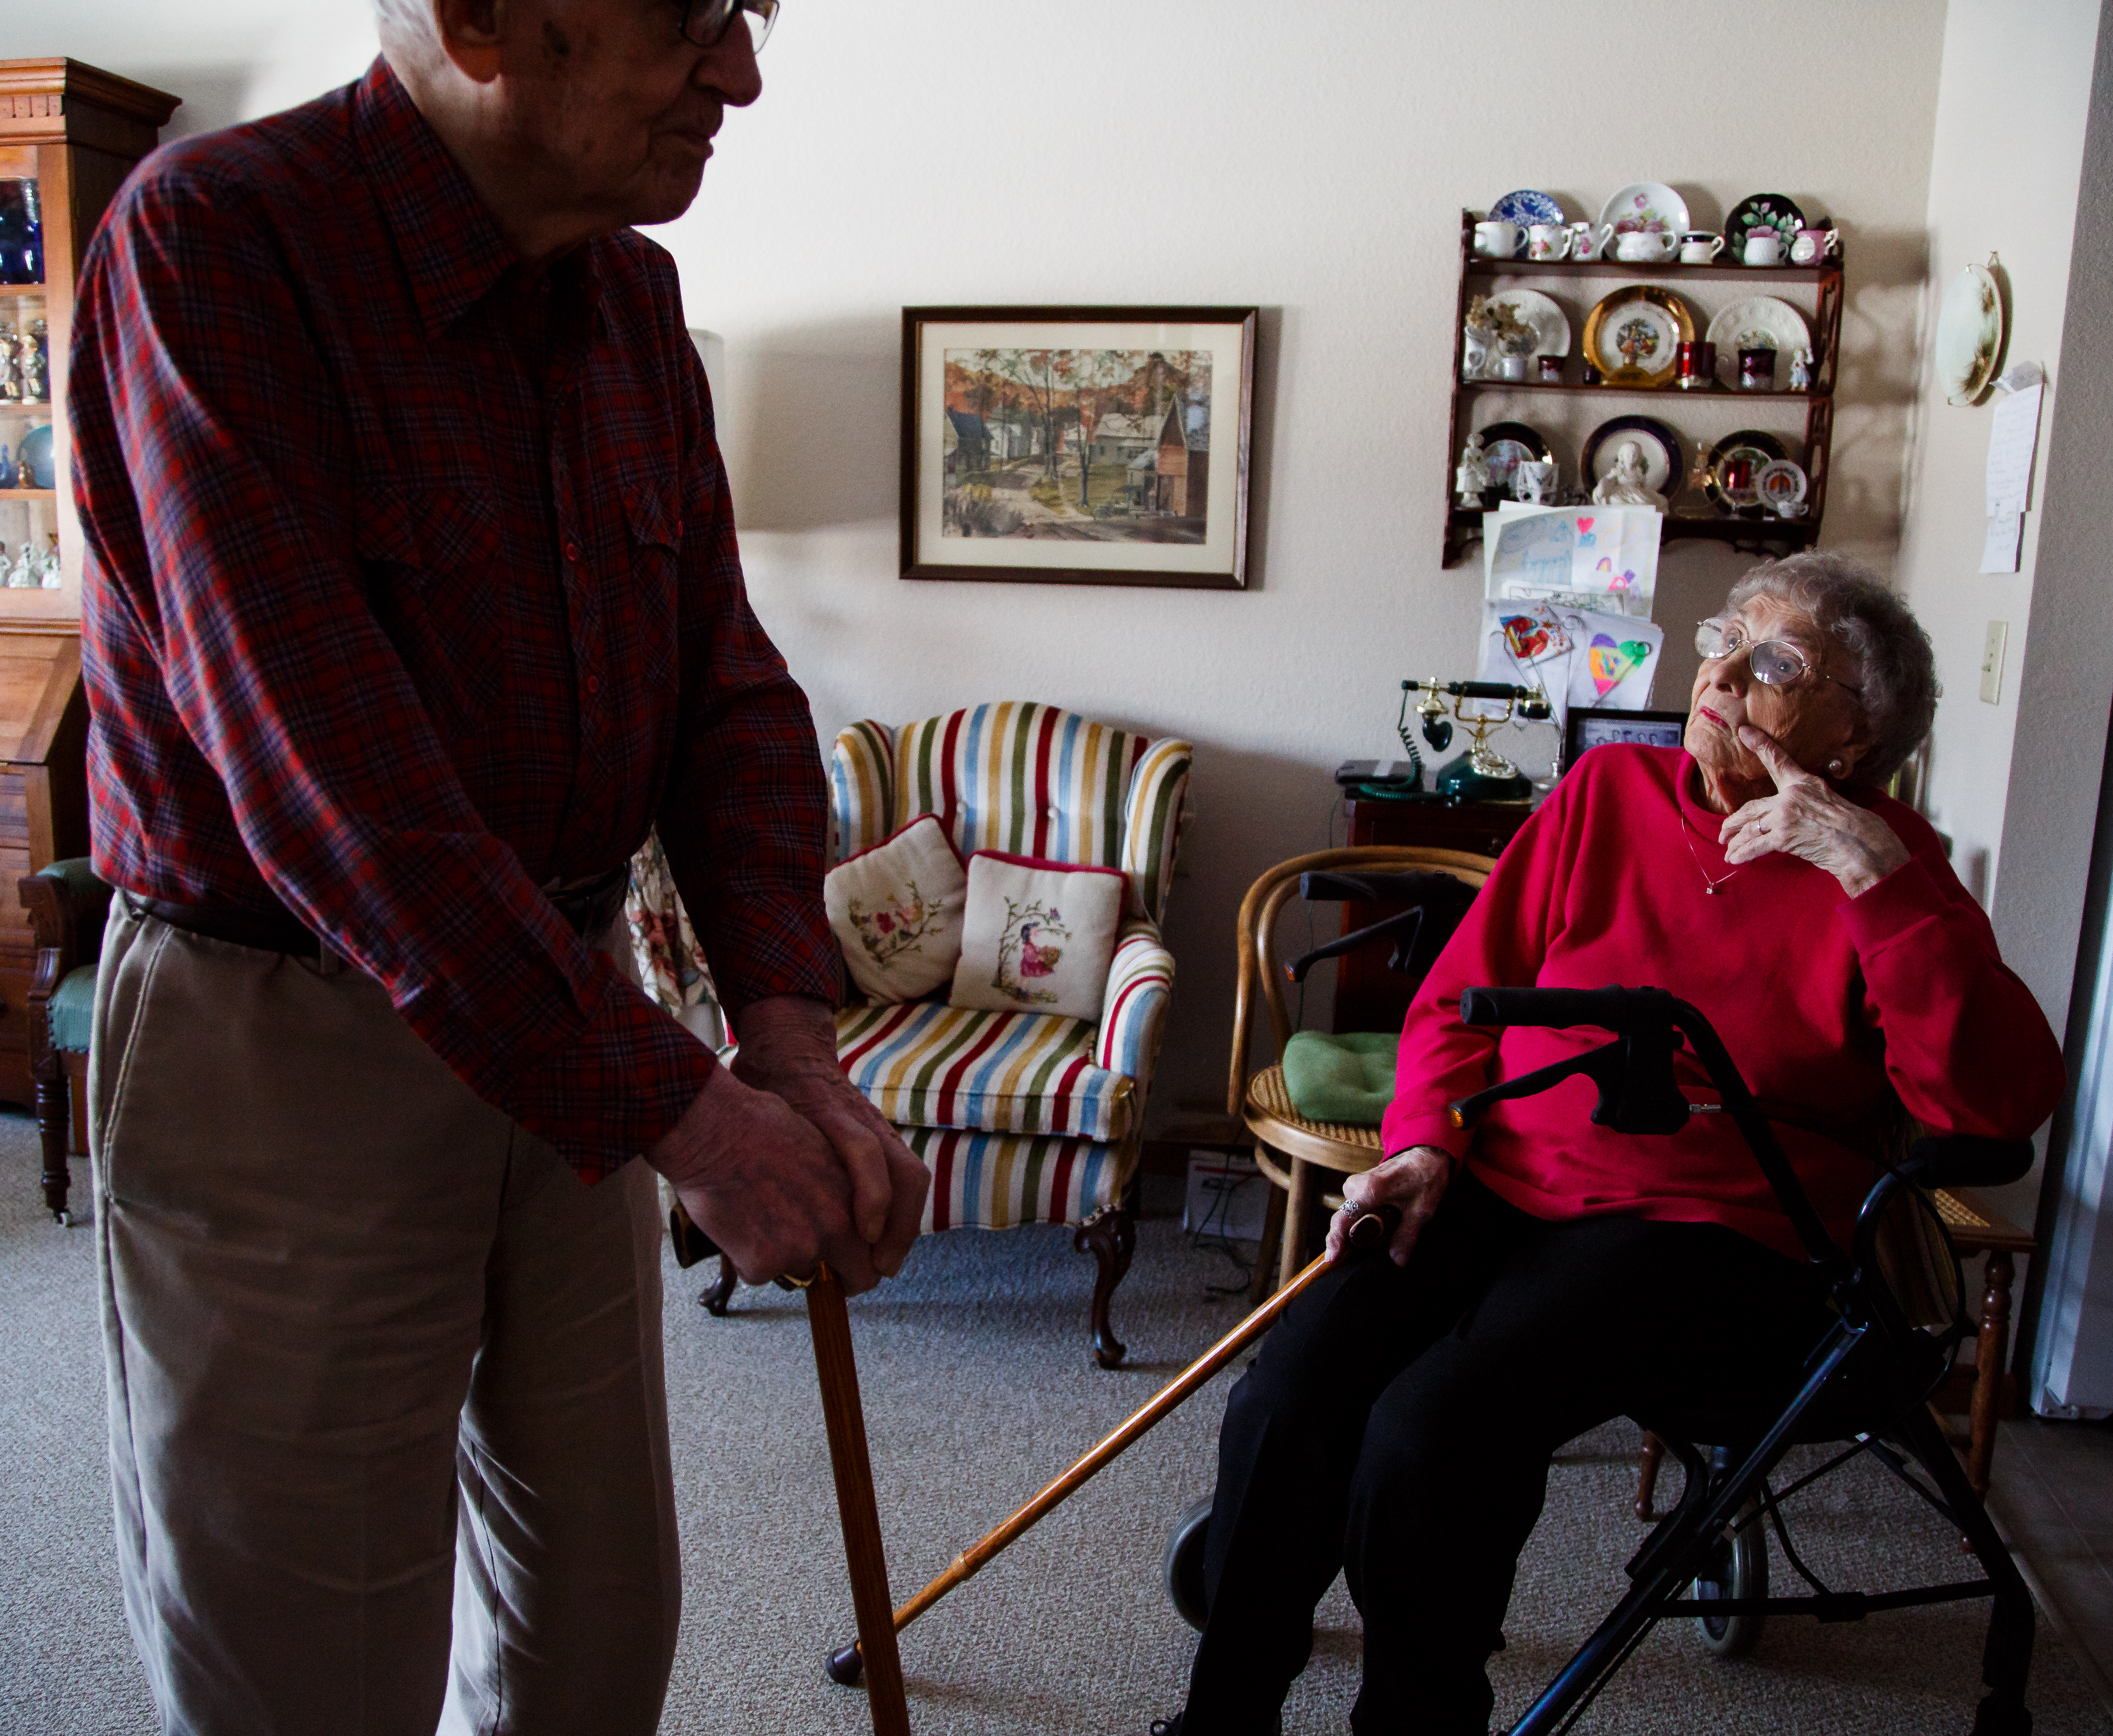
(1699, 247)
(1548, 241)
(1764, 247)
(1814, 244)
(1495, 239)
(1586, 239)
(1646, 247)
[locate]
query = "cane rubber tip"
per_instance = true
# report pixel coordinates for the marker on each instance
(847, 1666)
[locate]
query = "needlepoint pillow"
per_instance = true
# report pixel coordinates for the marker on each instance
(1036, 935)
(896, 909)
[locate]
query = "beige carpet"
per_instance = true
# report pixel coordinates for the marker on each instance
(977, 1389)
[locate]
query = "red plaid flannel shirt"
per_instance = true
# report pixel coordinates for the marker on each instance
(411, 587)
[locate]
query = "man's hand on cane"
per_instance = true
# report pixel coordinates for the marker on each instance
(783, 1163)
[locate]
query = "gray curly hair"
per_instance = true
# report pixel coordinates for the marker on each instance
(1895, 668)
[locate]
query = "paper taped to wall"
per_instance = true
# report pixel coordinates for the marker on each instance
(1578, 657)
(2014, 434)
(1999, 552)
(1608, 555)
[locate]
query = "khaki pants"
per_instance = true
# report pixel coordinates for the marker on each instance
(385, 1376)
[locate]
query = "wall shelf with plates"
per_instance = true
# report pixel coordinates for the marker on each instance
(1705, 416)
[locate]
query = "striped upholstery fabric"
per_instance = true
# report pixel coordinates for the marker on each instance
(1026, 778)
(925, 1065)
(996, 1181)
(1152, 824)
(1140, 989)
(862, 787)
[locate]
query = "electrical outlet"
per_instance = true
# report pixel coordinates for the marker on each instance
(1991, 663)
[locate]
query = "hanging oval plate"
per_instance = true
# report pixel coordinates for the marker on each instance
(1969, 335)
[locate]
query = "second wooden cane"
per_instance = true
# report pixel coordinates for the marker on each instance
(845, 1416)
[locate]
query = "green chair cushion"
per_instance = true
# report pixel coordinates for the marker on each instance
(72, 1008)
(75, 872)
(1348, 1079)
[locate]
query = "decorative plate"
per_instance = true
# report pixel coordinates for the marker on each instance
(1526, 208)
(1633, 336)
(1763, 210)
(1969, 335)
(1781, 486)
(1647, 205)
(1736, 463)
(1757, 322)
(1550, 324)
(1659, 443)
(1503, 444)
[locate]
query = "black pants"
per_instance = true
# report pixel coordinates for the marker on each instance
(1399, 1422)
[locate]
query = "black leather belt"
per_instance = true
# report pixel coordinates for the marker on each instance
(588, 909)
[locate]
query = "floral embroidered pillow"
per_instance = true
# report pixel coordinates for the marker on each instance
(896, 912)
(1037, 936)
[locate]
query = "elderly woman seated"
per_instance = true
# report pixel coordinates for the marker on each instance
(1549, 1274)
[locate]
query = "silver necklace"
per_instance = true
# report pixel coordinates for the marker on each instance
(1708, 885)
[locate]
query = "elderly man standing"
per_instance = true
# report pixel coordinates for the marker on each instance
(412, 604)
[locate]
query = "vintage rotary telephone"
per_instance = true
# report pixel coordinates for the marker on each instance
(1480, 774)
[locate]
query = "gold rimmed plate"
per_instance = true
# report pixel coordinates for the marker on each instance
(1633, 336)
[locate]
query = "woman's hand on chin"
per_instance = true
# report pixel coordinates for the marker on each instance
(1413, 1182)
(1807, 818)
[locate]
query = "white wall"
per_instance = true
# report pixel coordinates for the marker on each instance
(2015, 785)
(1230, 151)
(1313, 161)
(2012, 104)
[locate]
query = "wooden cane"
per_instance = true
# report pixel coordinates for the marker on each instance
(845, 1416)
(1369, 1229)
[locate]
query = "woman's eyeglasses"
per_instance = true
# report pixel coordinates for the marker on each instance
(706, 22)
(1776, 662)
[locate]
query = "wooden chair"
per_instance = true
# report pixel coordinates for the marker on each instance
(1292, 1151)
(66, 905)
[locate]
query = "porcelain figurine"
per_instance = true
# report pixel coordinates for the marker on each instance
(19, 577)
(1801, 370)
(1624, 485)
(53, 575)
(10, 365)
(37, 363)
(1472, 478)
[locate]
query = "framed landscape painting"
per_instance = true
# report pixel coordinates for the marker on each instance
(1077, 445)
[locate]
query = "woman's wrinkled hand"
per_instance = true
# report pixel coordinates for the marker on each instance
(1413, 1182)
(1807, 818)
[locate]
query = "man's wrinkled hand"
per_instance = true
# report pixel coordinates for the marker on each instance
(788, 1048)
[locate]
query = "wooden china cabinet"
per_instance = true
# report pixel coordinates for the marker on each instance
(75, 132)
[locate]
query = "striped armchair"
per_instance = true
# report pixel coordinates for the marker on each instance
(1024, 1118)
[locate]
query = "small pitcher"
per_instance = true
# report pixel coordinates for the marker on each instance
(1588, 239)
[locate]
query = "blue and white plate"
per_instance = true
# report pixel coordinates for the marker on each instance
(1526, 208)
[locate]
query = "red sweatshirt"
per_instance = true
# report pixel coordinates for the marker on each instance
(1822, 1001)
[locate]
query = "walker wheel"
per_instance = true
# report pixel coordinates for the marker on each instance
(63, 1219)
(1181, 1563)
(1738, 1567)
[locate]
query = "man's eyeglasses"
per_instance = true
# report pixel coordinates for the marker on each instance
(706, 22)
(1776, 662)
